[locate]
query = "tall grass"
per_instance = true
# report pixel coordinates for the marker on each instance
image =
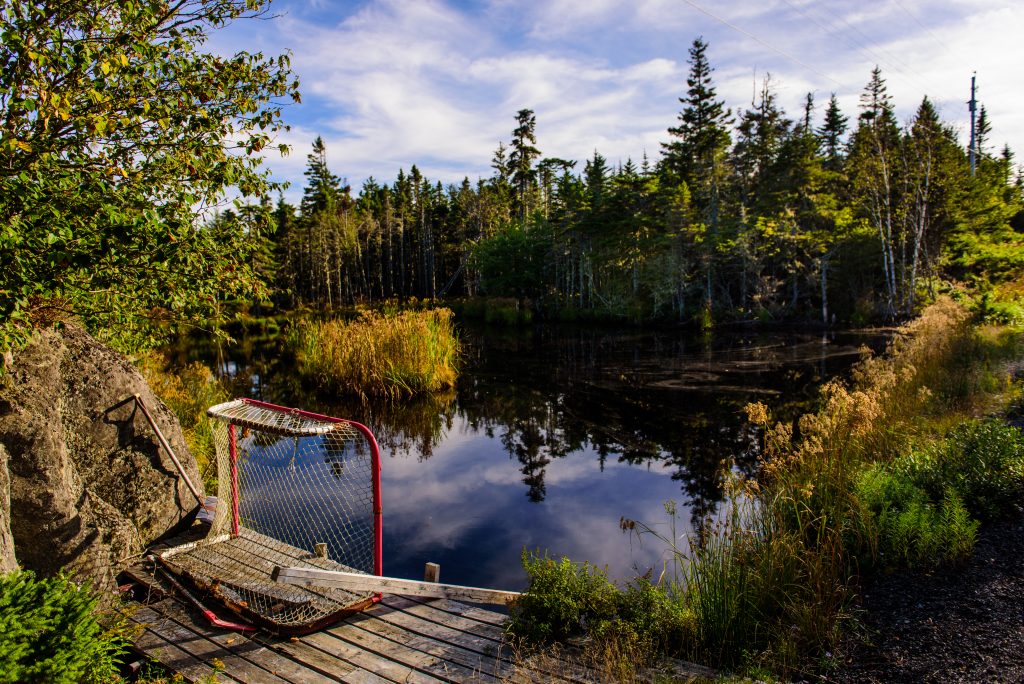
(889, 471)
(388, 355)
(188, 392)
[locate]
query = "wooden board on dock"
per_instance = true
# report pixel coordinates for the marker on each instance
(399, 640)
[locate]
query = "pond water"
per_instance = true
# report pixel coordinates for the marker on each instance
(555, 434)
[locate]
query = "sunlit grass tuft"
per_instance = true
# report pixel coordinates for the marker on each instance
(188, 392)
(390, 355)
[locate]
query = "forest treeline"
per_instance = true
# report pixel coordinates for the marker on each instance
(752, 215)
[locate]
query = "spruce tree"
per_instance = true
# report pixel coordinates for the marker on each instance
(703, 130)
(697, 157)
(322, 186)
(520, 161)
(982, 130)
(831, 134)
(873, 165)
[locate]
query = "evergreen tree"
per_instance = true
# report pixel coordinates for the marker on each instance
(760, 135)
(520, 162)
(703, 130)
(873, 165)
(982, 130)
(831, 134)
(322, 186)
(698, 156)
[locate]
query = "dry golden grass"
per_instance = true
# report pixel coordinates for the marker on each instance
(188, 392)
(766, 586)
(386, 355)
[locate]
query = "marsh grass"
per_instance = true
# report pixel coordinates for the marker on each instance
(880, 476)
(385, 355)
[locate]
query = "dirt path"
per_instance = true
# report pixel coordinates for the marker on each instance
(962, 623)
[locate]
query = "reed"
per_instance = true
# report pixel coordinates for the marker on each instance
(387, 355)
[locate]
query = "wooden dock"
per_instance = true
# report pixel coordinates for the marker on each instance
(401, 639)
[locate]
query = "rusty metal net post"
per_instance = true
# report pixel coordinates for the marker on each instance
(294, 489)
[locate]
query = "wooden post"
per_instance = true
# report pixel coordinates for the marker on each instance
(320, 550)
(432, 573)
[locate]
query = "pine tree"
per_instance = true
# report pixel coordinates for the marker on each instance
(831, 134)
(703, 130)
(761, 132)
(873, 164)
(982, 130)
(322, 186)
(698, 156)
(520, 161)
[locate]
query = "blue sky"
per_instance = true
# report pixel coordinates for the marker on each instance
(437, 83)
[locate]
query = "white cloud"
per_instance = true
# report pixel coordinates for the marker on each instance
(393, 84)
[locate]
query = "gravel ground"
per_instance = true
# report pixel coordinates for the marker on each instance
(962, 623)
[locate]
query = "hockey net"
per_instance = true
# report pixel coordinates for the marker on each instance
(294, 489)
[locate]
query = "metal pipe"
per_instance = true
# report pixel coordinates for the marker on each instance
(170, 452)
(233, 456)
(160, 564)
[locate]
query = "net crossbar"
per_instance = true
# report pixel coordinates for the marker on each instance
(295, 489)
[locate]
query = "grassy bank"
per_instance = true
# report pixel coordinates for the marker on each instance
(896, 468)
(389, 355)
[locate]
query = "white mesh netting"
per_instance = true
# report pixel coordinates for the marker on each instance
(294, 490)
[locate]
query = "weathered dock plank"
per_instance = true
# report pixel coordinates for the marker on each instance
(252, 651)
(402, 639)
(162, 646)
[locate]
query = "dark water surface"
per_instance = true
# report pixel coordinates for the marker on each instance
(554, 434)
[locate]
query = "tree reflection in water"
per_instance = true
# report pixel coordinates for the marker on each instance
(664, 401)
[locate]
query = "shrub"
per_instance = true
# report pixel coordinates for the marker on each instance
(563, 599)
(912, 527)
(983, 460)
(49, 632)
(188, 392)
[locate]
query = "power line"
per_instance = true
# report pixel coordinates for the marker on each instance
(913, 18)
(767, 45)
(879, 55)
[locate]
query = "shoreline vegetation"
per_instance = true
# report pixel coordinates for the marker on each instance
(382, 354)
(896, 469)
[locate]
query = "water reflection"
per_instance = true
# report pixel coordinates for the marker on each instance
(555, 434)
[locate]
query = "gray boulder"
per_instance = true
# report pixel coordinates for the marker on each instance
(89, 485)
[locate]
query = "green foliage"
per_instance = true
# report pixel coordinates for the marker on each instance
(999, 310)
(188, 392)
(914, 529)
(119, 132)
(512, 262)
(563, 599)
(982, 461)
(49, 632)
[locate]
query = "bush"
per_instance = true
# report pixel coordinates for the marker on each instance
(563, 599)
(983, 460)
(49, 632)
(913, 528)
(188, 392)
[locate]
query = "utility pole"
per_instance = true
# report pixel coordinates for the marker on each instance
(972, 103)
